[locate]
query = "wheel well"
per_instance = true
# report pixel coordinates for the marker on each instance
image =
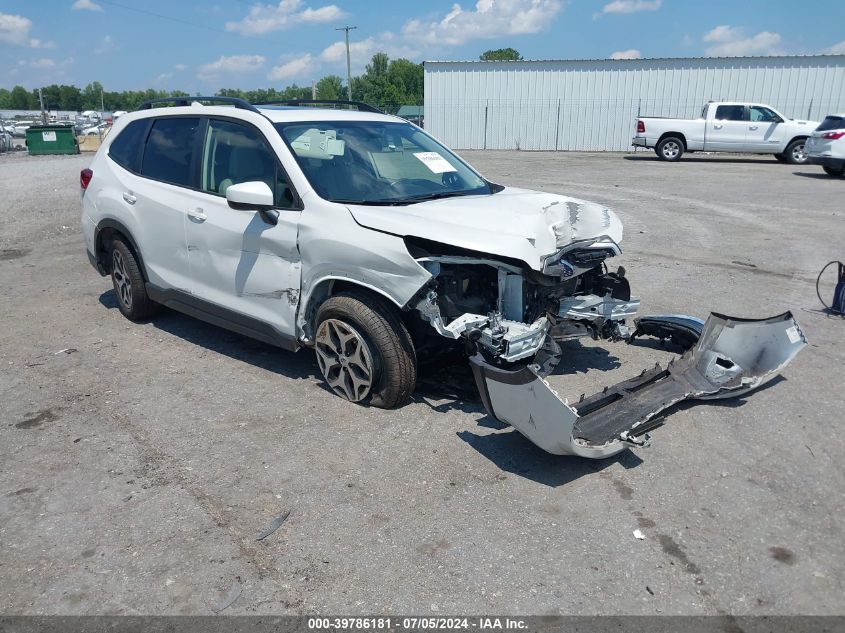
(677, 135)
(105, 236)
(332, 287)
(800, 137)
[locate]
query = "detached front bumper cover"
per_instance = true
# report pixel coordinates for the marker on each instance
(732, 357)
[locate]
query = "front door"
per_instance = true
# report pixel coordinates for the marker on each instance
(765, 130)
(239, 261)
(726, 131)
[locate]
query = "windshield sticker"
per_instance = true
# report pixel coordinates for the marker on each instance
(435, 162)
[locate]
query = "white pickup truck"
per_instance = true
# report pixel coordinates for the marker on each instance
(727, 127)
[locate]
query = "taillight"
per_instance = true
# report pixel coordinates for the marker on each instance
(640, 127)
(833, 135)
(85, 177)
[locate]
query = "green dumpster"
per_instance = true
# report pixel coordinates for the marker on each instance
(51, 139)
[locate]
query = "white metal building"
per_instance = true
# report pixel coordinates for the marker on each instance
(592, 105)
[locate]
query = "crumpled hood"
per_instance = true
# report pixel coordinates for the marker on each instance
(516, 223)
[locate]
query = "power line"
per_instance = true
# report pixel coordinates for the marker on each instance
(163, 17)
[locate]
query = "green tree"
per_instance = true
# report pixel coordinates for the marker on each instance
(70, 98)
(91, 96)
(5, 99)
(500, 54)
(331, 88)
(407, 78)
(20, 99)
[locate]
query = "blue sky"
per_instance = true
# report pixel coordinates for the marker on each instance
(203, 46)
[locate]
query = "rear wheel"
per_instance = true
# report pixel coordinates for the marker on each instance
(795, 153)
(670, 149)
(132, 299)
(834, 171)
(364, 350)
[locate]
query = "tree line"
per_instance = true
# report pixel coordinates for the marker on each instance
(385, 83)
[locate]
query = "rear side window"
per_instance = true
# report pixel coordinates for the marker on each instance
(730, 113)
(125, 150)
(169, 150)
(831, 123)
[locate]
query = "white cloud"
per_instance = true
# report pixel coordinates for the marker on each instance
(179, 67)
(489, 19)
(732, 41)
(836, 49)
(266, 18)
(631, 53)
(86, 5)
(14, 29)
(297, 67)
(631, 6)
(230, 65)
(43, 63)
(106, 44)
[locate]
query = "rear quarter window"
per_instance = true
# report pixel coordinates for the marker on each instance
(832, 123)
(170, 149)
(125, 150)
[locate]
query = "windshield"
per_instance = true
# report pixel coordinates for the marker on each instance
(378, 162)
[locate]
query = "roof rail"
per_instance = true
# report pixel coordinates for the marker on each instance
(186, 101)
(361, 107)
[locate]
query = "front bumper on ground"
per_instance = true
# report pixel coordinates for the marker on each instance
(732, 357)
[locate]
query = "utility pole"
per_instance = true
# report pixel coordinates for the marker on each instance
(348, 63)
(41, 102)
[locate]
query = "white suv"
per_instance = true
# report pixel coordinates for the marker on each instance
(357, 234)
(826, 145)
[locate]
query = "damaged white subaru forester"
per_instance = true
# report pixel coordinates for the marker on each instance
(357, 234)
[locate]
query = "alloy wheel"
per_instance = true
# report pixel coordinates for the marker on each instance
(122, 283)
(344, 359)
(799, 154)
(671, 149)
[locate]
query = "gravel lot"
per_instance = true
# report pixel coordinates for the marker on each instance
(139, 468)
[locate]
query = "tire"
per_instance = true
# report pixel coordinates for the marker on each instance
(781, 158)
(795, 154)
(832, 171)
(132, 299)
(359, 339)
(670, 149)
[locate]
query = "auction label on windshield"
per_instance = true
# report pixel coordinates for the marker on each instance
(435, 162)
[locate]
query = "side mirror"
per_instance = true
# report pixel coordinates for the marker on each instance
(253, 196)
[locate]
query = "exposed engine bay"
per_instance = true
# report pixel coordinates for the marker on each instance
(511, 320)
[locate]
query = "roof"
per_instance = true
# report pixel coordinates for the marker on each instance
(276, 114)
(410, 110)
(826, 56)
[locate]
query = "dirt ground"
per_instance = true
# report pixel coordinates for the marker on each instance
(139, 463)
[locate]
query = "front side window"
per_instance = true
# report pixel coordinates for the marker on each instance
(169, 150)
(730, 113)
(763, 115)
(125, 150)
(378, 162)
(235, 153)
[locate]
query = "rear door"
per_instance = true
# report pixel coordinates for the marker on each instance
(158, 196)
(726, 131)
(765, 130)
(238, 260)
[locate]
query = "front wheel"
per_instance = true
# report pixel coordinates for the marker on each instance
(364, 350)
(834, 171)
(670, 149)
(795, 153)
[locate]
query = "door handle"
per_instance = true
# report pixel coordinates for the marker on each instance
(129, 197)
(197, 214)
(752, 127)
(717, 127)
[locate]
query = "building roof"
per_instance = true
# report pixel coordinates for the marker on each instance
(632, 61)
